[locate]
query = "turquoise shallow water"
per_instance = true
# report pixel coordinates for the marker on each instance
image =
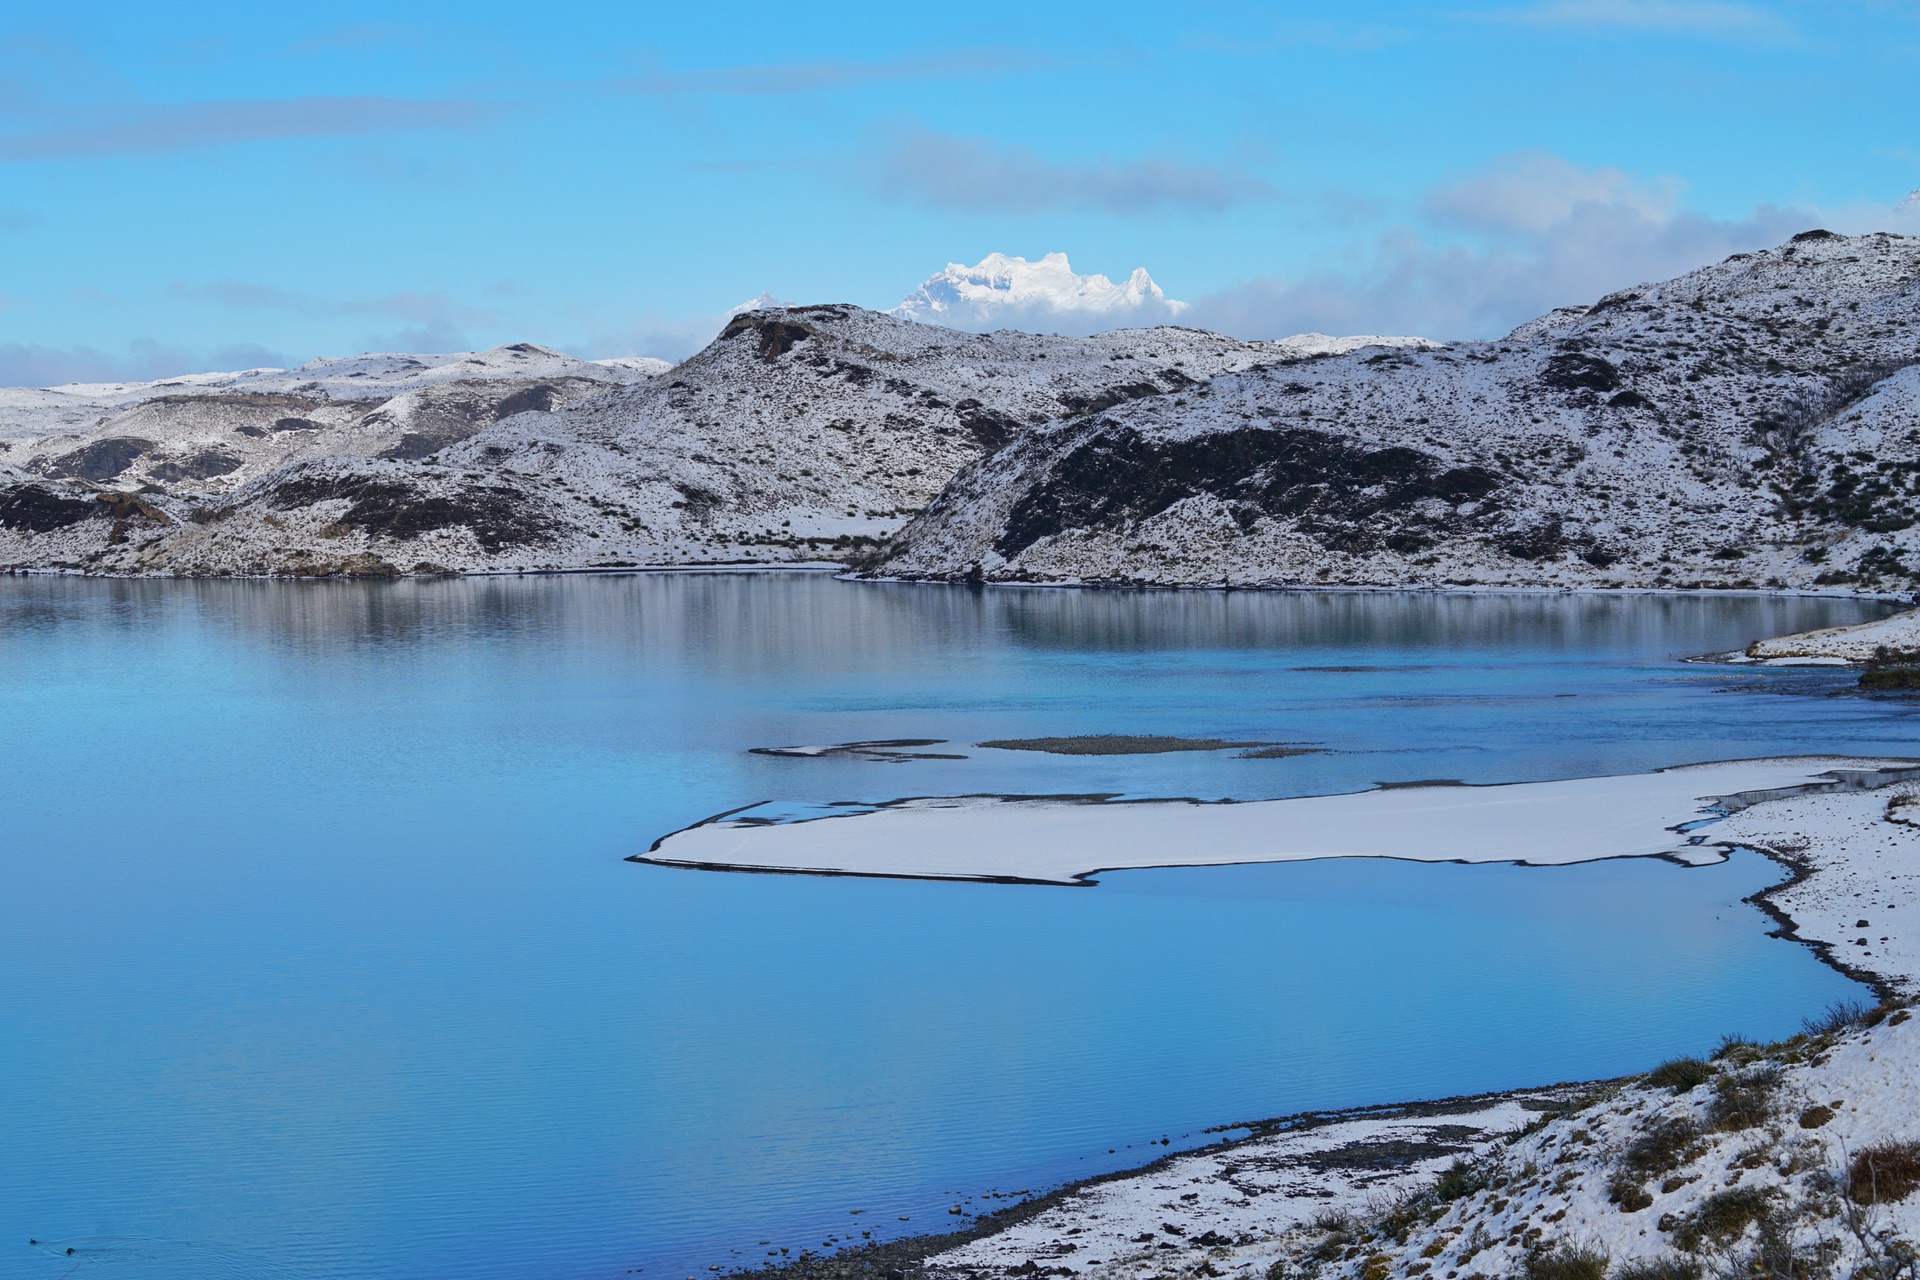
(321, 957)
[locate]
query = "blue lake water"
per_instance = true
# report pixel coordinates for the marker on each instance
(319, 956)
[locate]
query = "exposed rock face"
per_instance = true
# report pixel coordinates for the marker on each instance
(1754, 423)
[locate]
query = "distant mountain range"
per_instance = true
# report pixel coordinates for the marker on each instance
(1755, 423)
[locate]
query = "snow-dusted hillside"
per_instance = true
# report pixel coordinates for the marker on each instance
(1753, 423)
(799, 434)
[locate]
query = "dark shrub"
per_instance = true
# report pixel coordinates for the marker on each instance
(1743, 1101)
(1679, 1074)
(1839, 1016)
(1662, 1148)
(1568, 1263)
(1731, 1045)
(1723, 1217)
(1672, 1267)
(1460, 1180)
(1884, 1173)
(1626, 1191)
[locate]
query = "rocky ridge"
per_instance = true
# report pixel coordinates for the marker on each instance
(1755, 423)
(799, 434)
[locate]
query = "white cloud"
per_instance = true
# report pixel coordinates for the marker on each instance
(1529, 233)
(1004, 292)
(1530, 191)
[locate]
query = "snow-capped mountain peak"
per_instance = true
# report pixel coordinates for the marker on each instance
(1004, 291)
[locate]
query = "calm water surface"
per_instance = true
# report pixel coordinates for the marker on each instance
(319, 958)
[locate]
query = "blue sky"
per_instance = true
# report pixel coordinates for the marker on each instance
(214, 185)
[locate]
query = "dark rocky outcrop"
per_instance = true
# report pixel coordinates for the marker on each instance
(776, 336)
(989, 429)
(1574, 371)
(39, 509)
(498, 515)
(204, 465)
(1320, 479)
(100, 461)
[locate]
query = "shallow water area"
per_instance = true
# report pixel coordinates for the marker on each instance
(323, 958)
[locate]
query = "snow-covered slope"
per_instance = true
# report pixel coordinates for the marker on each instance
(1755, 423)
(1795, 1159)
(800, 433)
(26, 411)
(1004, 292)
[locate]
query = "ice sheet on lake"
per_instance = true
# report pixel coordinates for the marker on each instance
(1065, 839)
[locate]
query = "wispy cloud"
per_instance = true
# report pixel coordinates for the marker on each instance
(667, 337)
(356, 37)
(1698, 17)
(1291, 33)
(156, 128)
(241, 293)
(1530, 191)
(815, 77)
(1544, 233)
(425, 308)
(431, 320)
(28, 365)
(14, 221)
(977, 175)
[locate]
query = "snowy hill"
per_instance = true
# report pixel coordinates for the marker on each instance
(800, 433)
(1753, 423)
(1002, 292)
(371, 377)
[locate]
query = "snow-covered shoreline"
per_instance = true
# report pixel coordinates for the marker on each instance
(1700, 1167)
(1854, 644)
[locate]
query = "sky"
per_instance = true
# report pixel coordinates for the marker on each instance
(211, 185)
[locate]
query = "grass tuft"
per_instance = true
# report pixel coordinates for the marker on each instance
(1734, 1047)
(1743, 1101)
(1884, 1173)
(1723, 1217)
(1460, 1180)
(1662, 1148)
(1567, 1262)
(1671, 1267)
(1680, 1074)
(1839, 1016)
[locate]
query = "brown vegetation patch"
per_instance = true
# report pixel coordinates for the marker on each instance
(1884, 1173)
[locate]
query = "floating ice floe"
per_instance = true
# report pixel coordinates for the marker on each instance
(1065, 839)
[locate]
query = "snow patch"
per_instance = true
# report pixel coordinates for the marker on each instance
(1055, 841)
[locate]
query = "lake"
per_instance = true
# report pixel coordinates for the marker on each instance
(322, 957)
